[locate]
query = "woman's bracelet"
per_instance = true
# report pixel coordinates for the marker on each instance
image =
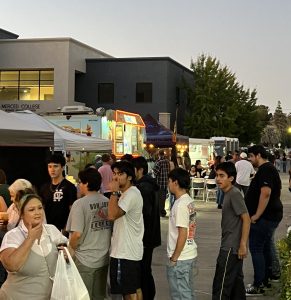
(172, 260)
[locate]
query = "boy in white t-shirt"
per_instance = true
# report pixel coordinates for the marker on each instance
(181, 247)
(126, 244)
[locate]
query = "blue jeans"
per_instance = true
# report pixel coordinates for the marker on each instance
(180, 278)
(260, 243)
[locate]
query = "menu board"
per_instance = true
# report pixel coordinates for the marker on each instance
(119, 132)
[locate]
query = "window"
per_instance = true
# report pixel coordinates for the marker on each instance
(27, 85)
(143, 92)
(105, 93)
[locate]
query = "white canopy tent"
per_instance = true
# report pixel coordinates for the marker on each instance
(16, 133)
(64, 140)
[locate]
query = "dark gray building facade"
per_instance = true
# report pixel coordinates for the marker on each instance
(139, 85)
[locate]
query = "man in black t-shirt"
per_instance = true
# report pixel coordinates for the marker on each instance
(59, 194)
(266, 212)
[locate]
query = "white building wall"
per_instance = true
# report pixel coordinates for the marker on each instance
(64, 55)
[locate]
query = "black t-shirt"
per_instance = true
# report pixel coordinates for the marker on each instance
(57, 200)
(267, 175)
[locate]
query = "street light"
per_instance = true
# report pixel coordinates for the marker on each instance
(279, 145)
(289, 129)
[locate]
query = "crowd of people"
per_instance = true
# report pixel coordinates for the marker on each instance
(110, 222)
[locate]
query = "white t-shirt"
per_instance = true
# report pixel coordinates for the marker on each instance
(128, 230)
(50, 235)
(182, 214)
(244, 170)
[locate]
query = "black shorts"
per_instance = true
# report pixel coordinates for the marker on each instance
(125, 276)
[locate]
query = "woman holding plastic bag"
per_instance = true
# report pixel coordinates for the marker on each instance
(68, 283)
(29, 253)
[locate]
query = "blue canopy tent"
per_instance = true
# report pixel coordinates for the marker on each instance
(160, 136)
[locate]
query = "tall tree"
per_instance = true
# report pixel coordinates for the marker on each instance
(270, 136)
(280, 121)
(219, 105)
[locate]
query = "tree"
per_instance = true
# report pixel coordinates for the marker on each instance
(270, 136)
(280, 121)
(220, 106)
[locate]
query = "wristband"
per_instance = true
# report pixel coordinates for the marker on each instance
(115, 194)
(172, 260)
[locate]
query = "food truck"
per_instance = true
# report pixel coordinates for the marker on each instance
(125, 129)
(201, 149)
(223, 145)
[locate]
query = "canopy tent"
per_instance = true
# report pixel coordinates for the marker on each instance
(16, 133)
(159, 135)
(64, 140)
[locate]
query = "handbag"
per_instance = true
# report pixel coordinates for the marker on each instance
(68, 283)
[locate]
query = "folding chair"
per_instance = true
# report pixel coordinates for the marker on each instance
(210, 188)
(197, 184)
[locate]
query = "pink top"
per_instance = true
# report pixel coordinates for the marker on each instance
(106, 174)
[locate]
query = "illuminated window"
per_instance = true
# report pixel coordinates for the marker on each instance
(27, 85)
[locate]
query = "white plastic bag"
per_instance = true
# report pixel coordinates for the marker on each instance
(68, 283)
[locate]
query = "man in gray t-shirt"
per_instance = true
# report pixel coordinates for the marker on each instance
(90, 233)
(235, 225)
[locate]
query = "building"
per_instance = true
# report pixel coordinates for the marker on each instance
(39, 74)
(44, 75)
(142, 85)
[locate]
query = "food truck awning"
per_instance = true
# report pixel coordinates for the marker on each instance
(159, 135)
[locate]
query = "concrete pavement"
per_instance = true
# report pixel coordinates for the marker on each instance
(208, 241)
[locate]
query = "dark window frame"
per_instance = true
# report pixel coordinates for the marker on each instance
(144, 92)
(105, 99)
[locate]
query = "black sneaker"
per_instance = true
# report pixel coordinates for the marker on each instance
(253, 291)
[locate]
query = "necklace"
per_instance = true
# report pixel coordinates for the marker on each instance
(56, 188)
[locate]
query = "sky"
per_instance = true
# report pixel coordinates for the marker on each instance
(251, 37)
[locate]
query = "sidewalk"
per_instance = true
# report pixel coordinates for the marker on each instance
(208, 241)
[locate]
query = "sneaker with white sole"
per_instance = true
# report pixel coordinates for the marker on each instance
(253, 291)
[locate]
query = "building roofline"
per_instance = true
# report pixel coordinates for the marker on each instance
(130, 59)
(58, 39)
(13, 35)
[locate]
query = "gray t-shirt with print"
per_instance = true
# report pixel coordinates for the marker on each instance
(231, 223)
(88, 215)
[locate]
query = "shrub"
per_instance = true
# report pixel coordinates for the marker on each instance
(284, 247)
